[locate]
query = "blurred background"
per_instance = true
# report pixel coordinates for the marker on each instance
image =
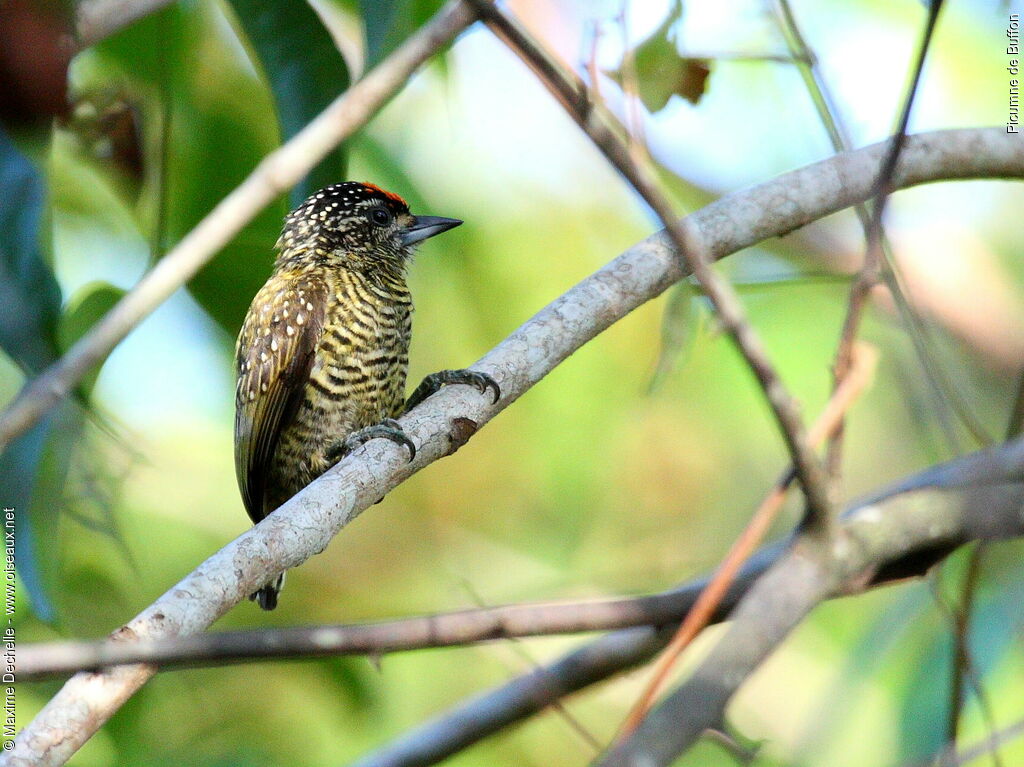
(630, 468)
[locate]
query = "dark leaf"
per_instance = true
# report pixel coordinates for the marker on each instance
(305, 71)
(212, 144)
(29, 294)
(226, 285)
(33, 467)
(152, 46)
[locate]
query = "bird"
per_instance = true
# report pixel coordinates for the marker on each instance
(323, 352)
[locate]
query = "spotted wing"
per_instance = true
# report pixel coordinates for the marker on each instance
(273, 358)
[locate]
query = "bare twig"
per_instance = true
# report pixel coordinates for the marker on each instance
(572, 94)
(47, 660)
(952, 758)
(878, 248)
(304, 525)
(964, 672)
(963, 665)
(903, 509)
(810, 571)
(860, 373)
(277, 172)
(868, 276)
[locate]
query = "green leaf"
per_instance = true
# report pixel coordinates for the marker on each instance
(660, 71)
(389, 22)
(305, 71)
(678, 330)
(29, 294)
(84, 310)
(220, 122)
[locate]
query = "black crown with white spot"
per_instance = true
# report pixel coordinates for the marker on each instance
(342, 200)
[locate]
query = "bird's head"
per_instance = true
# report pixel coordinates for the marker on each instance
(356, 226)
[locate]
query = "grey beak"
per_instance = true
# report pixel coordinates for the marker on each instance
(423, 227)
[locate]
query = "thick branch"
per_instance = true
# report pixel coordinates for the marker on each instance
(278, 172)
(908, 526)
(305, 525)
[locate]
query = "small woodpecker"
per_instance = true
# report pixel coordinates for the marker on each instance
(324, 350)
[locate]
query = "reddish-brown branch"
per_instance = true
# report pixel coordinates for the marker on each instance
(863, 363)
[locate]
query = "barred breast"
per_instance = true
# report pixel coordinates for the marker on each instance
(357, 378)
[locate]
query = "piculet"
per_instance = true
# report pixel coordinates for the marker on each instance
(323, 353)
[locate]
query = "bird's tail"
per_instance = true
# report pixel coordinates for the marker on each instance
(266, 597)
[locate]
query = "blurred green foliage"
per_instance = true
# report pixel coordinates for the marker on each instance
(588, 485)
(305, 72)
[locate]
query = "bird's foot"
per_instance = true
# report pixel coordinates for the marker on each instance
(386, 429)
(433, 383)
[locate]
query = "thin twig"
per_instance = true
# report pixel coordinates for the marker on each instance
(871, 273)
(951, 758)
(964, 671)
(963, 663)
(868, 276)
(46, 660)
(277, 172)
(859, 375)
(572, 93)
(889, 515)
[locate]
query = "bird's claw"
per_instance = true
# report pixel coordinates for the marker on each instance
(433, 383)
(388, 429)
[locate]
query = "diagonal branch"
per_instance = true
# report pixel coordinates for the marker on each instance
(278, 172)
(869, 274)
(860, 372)
(895, 525)
(810, 571)
(642, 747)
(573, 95)
(305, 525)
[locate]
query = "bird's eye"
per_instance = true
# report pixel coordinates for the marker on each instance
(380, 216)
